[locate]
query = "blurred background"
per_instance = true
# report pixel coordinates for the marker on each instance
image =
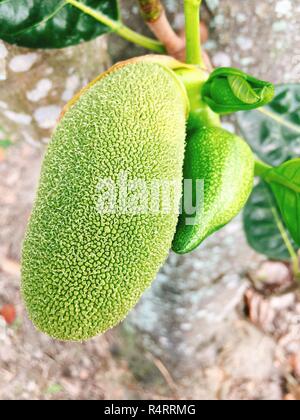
(203, 331)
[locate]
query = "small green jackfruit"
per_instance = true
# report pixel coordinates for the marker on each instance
(225, 164)
(84, 270)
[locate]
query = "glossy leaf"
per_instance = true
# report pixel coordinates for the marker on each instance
(242, 90)
(51, 23)
(274, 135)
(263, 225)
(287, 195)
(230, 90)
(274, 131)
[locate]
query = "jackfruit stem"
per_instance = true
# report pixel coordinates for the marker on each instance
(192, 29)
(119, 28)
(193, 80)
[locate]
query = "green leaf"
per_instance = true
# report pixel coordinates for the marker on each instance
(287, 194)
(242, 90)
(264, 228)
(51, 23)
(229, 90)
(274, 134)
(274, 131)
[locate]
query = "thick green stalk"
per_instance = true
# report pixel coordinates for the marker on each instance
(119, 28)
(192, 28)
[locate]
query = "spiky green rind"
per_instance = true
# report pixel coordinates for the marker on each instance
(83, 271)
(226, 165)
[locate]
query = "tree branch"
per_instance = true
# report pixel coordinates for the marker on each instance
(119, 28)
(155, 16)
(151, 10)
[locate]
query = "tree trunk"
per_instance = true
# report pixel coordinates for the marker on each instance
(36, 84)
(189, 311)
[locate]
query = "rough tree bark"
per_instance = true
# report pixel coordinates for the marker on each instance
(35, 85)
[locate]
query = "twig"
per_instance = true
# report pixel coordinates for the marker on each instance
(166, 375)
(151, 10)
(119, 28)
(155, 16)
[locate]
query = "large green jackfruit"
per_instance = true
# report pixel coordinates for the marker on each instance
(83, 270)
